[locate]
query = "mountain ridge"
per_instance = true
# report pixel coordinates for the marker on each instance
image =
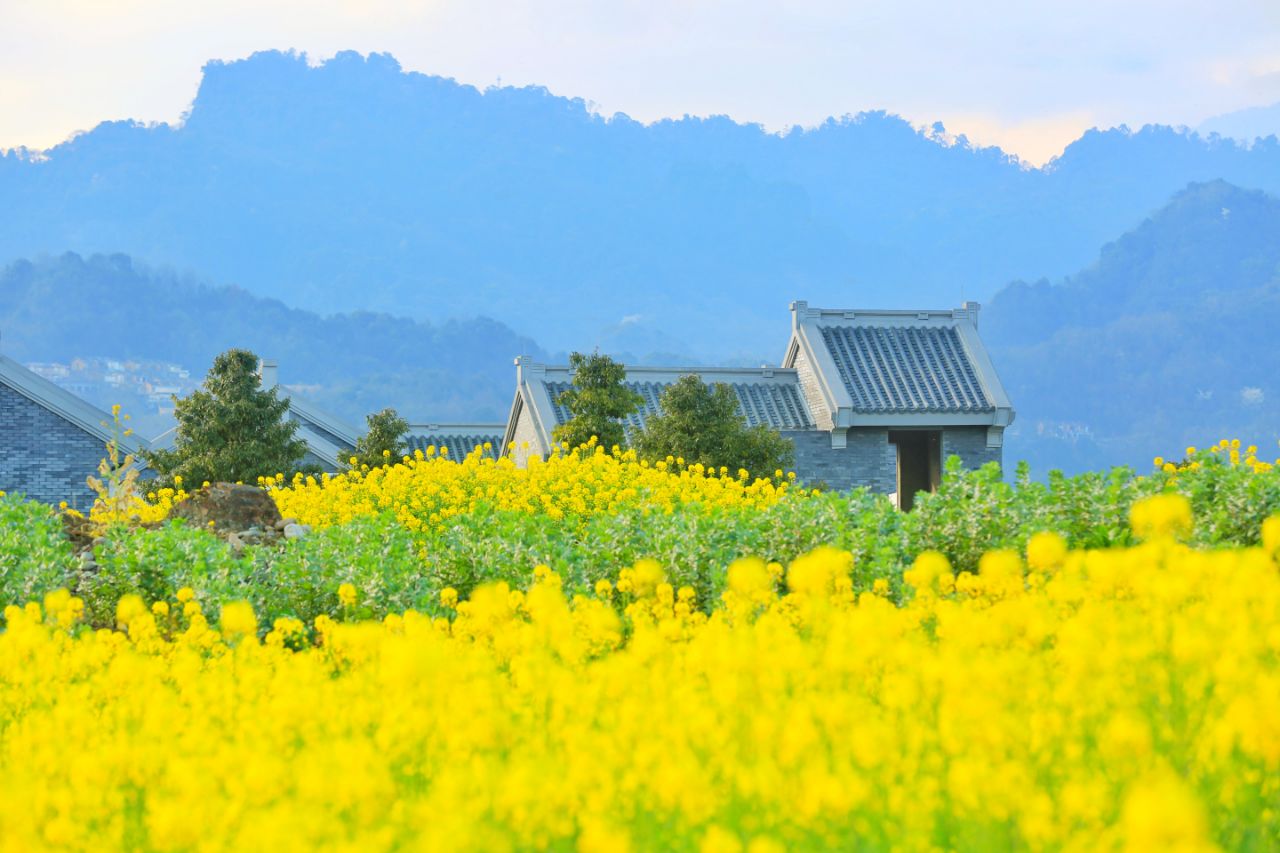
(355, 185)
(57, 308)
(1165, 341)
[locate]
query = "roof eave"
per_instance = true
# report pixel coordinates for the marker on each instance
(65, 405)
(322, 419)
(926, 420)
(834, 394)
(513, 418)
(986, 371)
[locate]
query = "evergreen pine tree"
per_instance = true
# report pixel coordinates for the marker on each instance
(230, 430)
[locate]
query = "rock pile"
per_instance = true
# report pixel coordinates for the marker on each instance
(228, 506)
(240, 515)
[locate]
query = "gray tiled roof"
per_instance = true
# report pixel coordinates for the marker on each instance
(907, 369)
(308, 426)
(778, 405)
(460, 444)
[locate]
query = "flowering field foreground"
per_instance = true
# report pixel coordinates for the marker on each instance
(1112, 699)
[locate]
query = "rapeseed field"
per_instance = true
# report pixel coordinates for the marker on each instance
(1056, 699)
(595, 653)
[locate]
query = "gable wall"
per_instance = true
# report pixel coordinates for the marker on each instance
(526, 439)
(310, 458)
(305, 426)
(43, 456)
(812, 391)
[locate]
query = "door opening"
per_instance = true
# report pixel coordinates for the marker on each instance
(919, 463)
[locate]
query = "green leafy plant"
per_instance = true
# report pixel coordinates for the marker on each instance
(301, 579)
(391, 568)
(702, 424)
(383, 440)
(119, 497)
(155, 564)
(35, 557)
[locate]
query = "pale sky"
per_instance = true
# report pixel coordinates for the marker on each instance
(1028, 75)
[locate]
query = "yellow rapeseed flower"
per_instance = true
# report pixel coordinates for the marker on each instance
(1160, 516)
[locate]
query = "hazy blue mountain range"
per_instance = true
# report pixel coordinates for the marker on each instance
(354, 185)
(1167, 339)
(1245, 125)
(1170, 338)
(56, 308)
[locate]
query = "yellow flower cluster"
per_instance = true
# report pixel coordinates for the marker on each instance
(1166, 515)
(154, 509)
(1089, 700)
(1227, 450)
(426, 489)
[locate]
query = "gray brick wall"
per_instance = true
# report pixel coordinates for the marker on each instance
(43, 456)
(970, 444)
(867, 459)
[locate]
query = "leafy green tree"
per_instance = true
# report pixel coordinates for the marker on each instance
(231, 429)
(597, 403)
(702, 424)
(383, 441)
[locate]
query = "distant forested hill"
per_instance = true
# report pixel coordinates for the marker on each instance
(56, 308)
(354, 185)
(1171, 338)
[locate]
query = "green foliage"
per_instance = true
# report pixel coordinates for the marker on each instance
(383, 441)
(155, 564)
(977, 511)
(597, 402)
(301, 579)
(35, 556)
(232, 430)
(694, 545)
(702, 424)
(393, 569)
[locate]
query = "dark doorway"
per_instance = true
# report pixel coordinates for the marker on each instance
(919, 462)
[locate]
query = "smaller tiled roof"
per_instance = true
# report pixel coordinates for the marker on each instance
(906, 369)
(777, 405)
(460, 439)
(766, 395)
(329, 439)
